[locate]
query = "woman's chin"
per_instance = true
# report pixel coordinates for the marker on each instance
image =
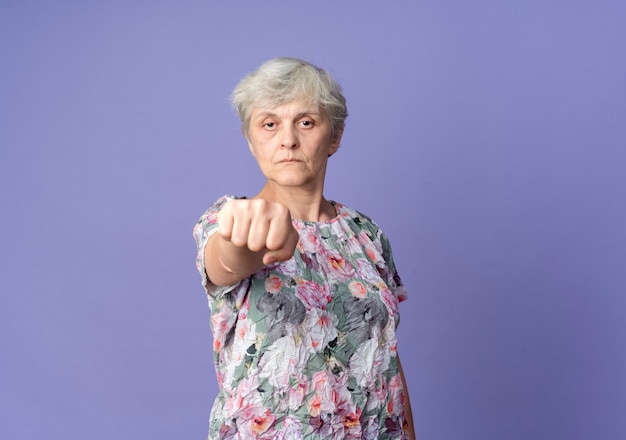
(295, 181)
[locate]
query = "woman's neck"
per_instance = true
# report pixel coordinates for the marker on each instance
(302, 204)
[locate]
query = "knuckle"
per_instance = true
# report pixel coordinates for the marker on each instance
(282, 210)
(259, 204)
(238, 241)
(255, 246)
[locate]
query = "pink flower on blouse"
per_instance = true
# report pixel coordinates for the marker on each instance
(221, 323)
(314, 405)
(324, 395)
(308, 240)
(367, 270)
(297, 393)
(352, 420)
(312, 294)
(357, 289)
(395, 405)
(292, 429)
(372, 249)
(273, 284)
(244, 397)
(260, 423)
(319, 330)
(338, 264)
(389, 299)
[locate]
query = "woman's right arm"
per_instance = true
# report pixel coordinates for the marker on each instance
(251, 234)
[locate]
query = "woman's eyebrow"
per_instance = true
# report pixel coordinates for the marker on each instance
(308, 113)
(264, 114)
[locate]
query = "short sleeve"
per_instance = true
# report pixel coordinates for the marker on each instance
(394, 280)
(207, 226)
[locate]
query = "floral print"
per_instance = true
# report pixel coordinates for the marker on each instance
(306, 348)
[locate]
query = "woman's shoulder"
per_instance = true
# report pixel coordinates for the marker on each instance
(354, 215)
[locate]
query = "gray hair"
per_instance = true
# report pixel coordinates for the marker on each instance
(282, 80)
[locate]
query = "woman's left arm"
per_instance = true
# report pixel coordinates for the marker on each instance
(408, 413)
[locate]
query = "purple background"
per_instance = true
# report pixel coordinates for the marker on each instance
(488, 139)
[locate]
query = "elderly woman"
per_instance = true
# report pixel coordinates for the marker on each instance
(303, 291)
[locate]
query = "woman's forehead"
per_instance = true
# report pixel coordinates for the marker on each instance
(295, 107)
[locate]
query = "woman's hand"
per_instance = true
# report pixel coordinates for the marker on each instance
(259, 226)
(251, 234)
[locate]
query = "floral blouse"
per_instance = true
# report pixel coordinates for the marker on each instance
(306, 348)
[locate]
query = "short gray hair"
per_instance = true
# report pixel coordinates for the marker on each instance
(282, 80)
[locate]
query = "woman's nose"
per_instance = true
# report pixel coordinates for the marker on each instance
(288, 137)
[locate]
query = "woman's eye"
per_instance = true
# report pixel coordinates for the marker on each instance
(269, 125)
(306, 123)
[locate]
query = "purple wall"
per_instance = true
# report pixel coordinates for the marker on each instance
(487, 138)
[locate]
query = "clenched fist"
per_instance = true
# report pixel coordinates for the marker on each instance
(251, 233)
(260, 226)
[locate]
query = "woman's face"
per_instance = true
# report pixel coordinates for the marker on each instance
(292, 143)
